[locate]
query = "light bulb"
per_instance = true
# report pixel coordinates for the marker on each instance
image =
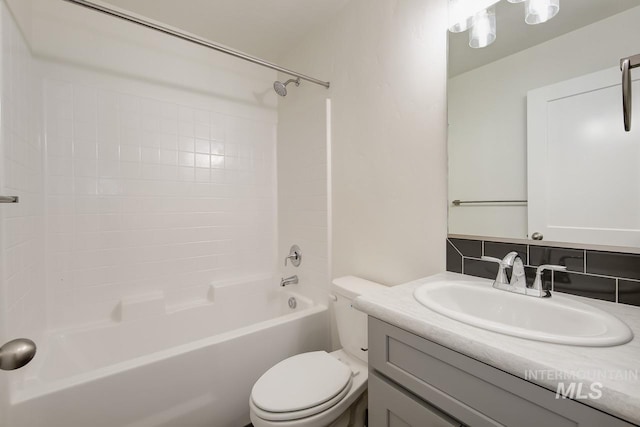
(483, 32)
(461, 13)
(539, 11)
(515, 1)
(459, 19)
(461, 26)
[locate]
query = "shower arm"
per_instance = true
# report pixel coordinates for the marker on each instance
(193, 39)
(626, 65)
(296, 81)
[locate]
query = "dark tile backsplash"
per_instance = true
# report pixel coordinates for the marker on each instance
(625, 265)
(573, 259)
(454, 259)
(586, 285)
(609, 276)
(629, 292)
(470, 248)
(478, 268)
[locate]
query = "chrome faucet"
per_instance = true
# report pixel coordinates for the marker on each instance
(518, 279)
(536, 290)
(293, 280)
(518, 282)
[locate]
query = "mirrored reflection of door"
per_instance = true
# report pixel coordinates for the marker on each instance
(583, 177)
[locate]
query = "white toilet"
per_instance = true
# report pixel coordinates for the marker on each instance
(320, 389)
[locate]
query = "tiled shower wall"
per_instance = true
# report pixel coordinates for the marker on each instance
(22, 224)
(610, 276)
(159, 165)
(164, 192)
(145, 166)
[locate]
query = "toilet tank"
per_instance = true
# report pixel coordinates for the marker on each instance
(351, 323)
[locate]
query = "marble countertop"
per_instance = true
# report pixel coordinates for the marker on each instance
(616, 368)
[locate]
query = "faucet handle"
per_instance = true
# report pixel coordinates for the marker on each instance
(537, 283)
(295, 255)
(501, 281)
(550, 267)
(492, 259)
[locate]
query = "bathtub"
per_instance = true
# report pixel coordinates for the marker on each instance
(193, 366)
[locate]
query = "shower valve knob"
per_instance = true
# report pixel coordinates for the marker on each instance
(295, 256)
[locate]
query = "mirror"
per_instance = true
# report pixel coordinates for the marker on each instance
(536, 136)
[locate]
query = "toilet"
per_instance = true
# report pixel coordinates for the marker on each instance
(320, 389)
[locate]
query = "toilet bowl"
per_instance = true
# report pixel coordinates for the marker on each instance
(320, 389)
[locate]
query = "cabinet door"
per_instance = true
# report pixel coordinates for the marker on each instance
(390, 406)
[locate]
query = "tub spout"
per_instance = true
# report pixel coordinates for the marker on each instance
(293, 280)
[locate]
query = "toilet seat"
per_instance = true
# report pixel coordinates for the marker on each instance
(301, 386)
(296, 415)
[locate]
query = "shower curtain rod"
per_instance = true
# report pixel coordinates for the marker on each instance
(194, 39)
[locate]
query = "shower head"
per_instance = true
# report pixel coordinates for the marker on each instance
(281, 88)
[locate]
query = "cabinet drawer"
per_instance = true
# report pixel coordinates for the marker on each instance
(471, 391)
(390, 406)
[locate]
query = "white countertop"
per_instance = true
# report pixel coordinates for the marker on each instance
(616, 368)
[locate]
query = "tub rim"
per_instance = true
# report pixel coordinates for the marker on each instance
(25, 392)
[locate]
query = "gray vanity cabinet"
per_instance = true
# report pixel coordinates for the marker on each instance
(396, 407)
(418, 383)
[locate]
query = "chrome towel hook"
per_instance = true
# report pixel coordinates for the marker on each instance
(626, 65)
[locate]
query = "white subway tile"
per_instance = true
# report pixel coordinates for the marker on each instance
(145, 195)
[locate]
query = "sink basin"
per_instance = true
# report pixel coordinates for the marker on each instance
(558, 319)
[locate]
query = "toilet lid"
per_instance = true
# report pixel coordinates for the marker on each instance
(301, 382)
(296, 415)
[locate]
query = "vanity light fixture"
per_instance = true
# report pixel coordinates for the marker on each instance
(462, 12)
(540, 11)
(459, 19)
(483, 31)
(479, 17)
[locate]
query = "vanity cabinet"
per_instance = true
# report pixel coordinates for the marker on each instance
(390, 405)
(418, 383)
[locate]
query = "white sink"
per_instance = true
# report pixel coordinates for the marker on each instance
(558, 319)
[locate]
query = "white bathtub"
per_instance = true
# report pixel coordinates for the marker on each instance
(192, 367)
